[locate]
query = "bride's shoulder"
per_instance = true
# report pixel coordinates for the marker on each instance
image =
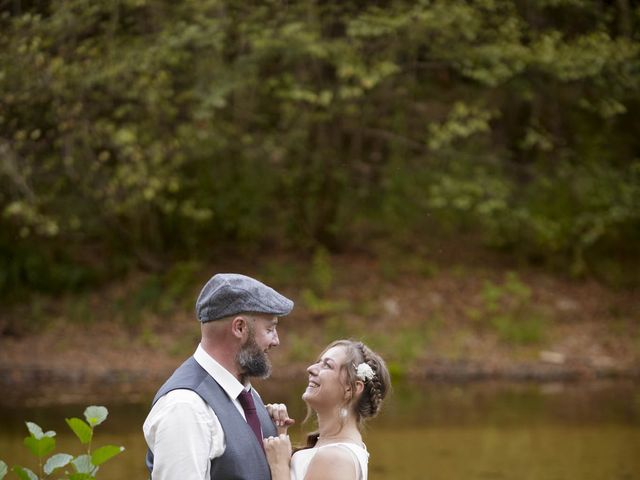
(333, 461)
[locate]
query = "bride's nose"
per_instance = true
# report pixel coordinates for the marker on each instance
(312, 369)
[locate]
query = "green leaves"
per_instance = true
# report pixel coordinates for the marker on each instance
(36, 431)
(40, 446)
(95, 415)
(56, 461)
(24, 473)
(105, 453)
(83, 431)
(81, 476)
(38, 442)
(85, 466)
(463, 122)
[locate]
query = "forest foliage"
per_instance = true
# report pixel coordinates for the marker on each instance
(136, 130)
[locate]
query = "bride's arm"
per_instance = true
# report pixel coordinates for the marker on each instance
(332, 463)
(278, 451)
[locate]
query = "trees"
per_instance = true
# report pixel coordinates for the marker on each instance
(145, 126)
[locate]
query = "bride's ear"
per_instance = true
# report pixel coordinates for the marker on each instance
(359, 388)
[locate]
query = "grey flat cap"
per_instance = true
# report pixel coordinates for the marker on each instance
(227, 294)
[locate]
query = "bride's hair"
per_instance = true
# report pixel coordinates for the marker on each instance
(369, 402)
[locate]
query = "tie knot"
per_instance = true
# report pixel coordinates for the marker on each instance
(246, 400)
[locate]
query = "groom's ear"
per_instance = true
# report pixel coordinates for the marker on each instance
(239, 326)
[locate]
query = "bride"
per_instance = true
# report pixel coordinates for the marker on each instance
(346, 386)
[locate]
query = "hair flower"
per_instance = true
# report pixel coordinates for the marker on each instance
(364, 372)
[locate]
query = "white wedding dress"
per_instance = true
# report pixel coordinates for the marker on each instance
(302, 458)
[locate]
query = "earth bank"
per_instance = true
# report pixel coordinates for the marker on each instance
(432, 322)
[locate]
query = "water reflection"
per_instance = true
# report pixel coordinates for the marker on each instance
(434, 431)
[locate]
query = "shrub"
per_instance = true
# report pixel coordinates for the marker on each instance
(81, 467)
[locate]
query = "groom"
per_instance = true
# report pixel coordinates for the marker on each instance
(207, 422)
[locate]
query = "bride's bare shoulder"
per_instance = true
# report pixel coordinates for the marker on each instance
(332, 462)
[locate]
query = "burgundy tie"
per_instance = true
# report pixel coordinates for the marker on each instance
(246, 400)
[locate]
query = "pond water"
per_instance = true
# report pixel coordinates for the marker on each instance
(426, 431)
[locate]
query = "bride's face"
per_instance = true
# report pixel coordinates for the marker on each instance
(327, 381)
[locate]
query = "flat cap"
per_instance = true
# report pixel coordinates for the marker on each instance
(227, 294)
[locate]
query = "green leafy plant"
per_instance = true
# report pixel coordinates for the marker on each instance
(82, 467)
(322, 307)
(507, 307)
(321, 271)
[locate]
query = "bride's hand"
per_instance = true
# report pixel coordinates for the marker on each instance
(280, 416)
(278, 451)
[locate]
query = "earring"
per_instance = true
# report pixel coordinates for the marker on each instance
(343, 413)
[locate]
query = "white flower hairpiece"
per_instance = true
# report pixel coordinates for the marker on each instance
(364, 372)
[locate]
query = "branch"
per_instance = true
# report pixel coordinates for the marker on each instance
(9, 166)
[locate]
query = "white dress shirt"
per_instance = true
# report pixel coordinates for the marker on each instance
(183, 431)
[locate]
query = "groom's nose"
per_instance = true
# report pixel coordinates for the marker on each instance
(275, 340)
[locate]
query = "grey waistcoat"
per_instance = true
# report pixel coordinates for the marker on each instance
(243, 458)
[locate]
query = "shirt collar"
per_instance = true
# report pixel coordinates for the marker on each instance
(224, 377)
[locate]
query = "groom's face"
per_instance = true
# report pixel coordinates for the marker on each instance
(262, 336)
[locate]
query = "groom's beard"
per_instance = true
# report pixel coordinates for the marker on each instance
(252, 360)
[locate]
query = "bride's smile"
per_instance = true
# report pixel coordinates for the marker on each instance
(327, 385)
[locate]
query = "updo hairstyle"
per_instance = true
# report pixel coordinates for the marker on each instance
(375, 389)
